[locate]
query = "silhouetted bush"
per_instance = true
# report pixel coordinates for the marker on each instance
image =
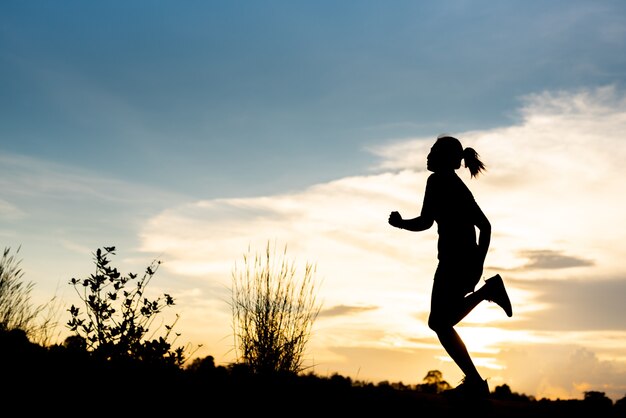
(117, 321)
(620, 407)
(598, 402)
(503, 392)
(273, 313)
(16, 309)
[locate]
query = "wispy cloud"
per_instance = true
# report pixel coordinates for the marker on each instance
(549, 259)
(60, 215)
(341, 310)
(10, 211)
(595, 304)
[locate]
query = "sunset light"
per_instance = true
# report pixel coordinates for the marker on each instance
(196, 133)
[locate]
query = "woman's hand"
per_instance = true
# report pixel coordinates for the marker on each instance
(395, 219)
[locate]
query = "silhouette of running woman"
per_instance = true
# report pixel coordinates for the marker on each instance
(461, 256)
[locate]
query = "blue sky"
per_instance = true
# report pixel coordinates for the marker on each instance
(188, 131)
(222, 98)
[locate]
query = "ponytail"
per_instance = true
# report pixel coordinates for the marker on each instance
(472, 162)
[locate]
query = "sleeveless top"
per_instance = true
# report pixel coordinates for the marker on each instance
(451, 204)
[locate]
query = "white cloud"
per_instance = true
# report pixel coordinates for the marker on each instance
(554, 179)
(10, 211)
(563, 371)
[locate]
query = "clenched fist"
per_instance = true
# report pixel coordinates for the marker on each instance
(395, 219)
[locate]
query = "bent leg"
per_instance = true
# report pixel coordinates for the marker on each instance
(450, 303)
(464, 307)
(493, 290)
(447, 309)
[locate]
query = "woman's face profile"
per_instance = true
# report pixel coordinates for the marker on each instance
(442, 157)
(433, 160)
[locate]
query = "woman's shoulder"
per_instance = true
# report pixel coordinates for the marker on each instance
(437, 183)
(441, 177)
(432, 179)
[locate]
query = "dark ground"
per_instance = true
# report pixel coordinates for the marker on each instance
(56, 381)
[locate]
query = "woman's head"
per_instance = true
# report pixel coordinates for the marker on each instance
(447, 153)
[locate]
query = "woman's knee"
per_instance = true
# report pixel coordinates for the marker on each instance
(438, 323)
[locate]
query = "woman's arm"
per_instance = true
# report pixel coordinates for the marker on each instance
(427, 216)
(421, 223)
(484, 233)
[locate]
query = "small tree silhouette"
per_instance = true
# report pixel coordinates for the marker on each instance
(273, 312)
(433, 383)
(598, 400)
(117, 321)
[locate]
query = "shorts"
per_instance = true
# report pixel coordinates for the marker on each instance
(459, 276)
(452, 282)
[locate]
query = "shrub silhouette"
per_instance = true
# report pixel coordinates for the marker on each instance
(16, 309)
(273, 312)
(117, 321)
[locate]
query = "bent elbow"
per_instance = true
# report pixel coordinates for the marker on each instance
(485, 227)
(427, 223)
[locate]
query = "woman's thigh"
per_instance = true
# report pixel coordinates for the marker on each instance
(450, 285)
